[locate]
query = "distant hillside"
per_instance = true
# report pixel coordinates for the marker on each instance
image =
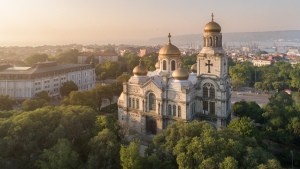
(291, 36)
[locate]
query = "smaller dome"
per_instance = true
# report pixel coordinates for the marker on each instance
(180, 74)
(169, 49)
(212, 26)
(157, 65)
(194, 68)
(140, 70)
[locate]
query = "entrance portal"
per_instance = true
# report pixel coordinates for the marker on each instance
(150, 125)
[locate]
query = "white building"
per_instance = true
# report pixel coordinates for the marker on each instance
(25, 82)
(150, 101)
(259, 62)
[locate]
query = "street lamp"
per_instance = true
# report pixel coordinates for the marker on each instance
(292, 153)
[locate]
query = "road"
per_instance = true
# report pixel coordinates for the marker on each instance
(260, 99)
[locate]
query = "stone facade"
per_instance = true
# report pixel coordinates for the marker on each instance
(25, 82)
(150, 101)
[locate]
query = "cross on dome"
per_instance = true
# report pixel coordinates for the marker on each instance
(169, 38)
(212, 17)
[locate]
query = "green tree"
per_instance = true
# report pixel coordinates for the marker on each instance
(67, 88)
(6, 103)
(248, 109)
(108, 69)
(295, 77)
(60, 156)
(32, 104)
(43, 95)
(35, 58)
(244, 126)
(241, 74)
(199, 145)
(105, 148)
(229, 163)
(70, 56)
(129, 155)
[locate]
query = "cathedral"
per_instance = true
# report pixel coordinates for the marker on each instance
(150, 101)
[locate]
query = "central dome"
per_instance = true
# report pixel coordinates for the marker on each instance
(180, 74)
(169, 49)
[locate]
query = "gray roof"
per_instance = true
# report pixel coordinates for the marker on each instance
(44, 67)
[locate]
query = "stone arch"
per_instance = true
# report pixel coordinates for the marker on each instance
(208, 90)
(164, 65)
(210, 41)
(173, 65)
(151, 101)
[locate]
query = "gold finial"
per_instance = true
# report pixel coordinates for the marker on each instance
(169, 38)
(212, 17)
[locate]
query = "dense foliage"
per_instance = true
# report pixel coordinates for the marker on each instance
(67, 87)
(277, 124)
(59, 137)
(199, 145)
(280, 76)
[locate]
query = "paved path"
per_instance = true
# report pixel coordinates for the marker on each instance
(260, 99)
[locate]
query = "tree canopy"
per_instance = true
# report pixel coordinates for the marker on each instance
(67, 88)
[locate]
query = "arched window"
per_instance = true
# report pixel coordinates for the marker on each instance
(152, 102)
(212, 91)
(212, 108)
(205, 106)
(216, 41)
(129, 102)
(158, 108)
(164, 65)
(205, 91)
(179, 111)
(133, 103)
(173, 65)
(210, 41)
(208, 90)
(137, 103)
(169, 110)
(174, 110)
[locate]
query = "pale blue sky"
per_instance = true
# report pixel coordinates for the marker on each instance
(39, 22)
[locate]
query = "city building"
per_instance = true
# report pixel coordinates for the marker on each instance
(150, 101)
(25, 82)
(260, 62)
(101, 57)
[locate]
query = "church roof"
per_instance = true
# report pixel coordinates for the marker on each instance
(169, 49)
(212, 26)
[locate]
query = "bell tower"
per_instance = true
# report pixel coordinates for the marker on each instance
(213, 79)
(212, 60)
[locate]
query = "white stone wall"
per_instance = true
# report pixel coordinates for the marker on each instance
(27, 88)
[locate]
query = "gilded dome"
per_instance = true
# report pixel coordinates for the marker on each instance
(194, 68)
(180, 74)
(157, 65)
(212, 26)
(169, 49)
(140, 70)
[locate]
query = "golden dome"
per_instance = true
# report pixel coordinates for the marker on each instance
(180, 74)
(157, 65)
(140, 70)
(212, 26)
(169, 49)
(194, 68)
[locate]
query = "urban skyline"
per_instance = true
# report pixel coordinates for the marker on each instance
(54, 22)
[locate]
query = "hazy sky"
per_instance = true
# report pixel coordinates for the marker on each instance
(39, 22)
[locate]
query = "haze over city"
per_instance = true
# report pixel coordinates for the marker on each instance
(54, 22)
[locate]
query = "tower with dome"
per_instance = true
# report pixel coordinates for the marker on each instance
(150, 101)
